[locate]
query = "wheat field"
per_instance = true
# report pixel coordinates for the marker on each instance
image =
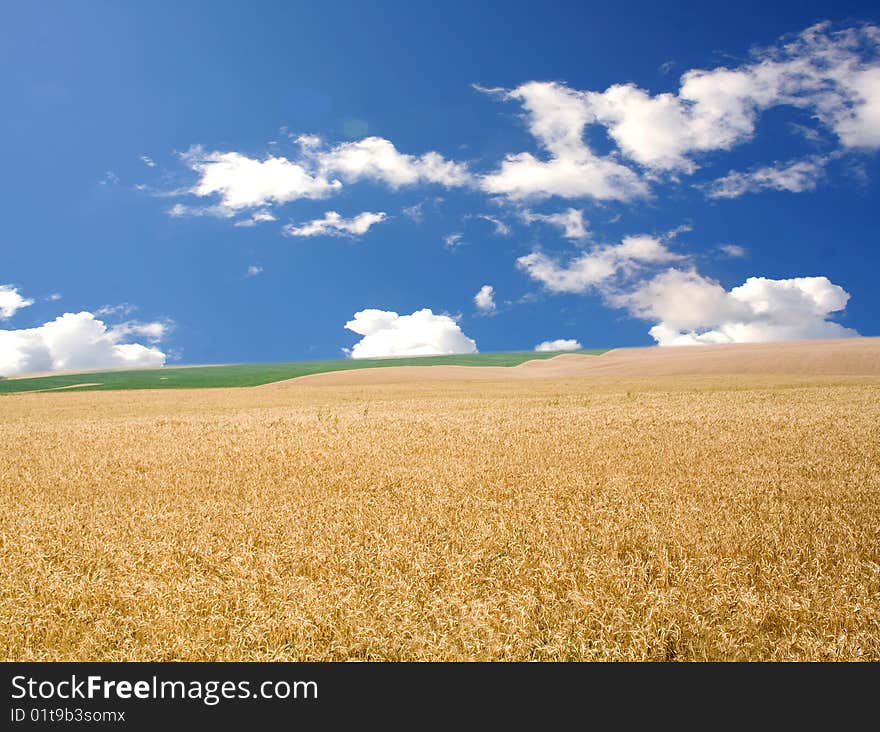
(686, 518)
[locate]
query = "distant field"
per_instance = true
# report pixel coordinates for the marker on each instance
(252, 374)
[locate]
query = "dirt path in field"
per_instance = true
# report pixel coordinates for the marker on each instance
(844, 357)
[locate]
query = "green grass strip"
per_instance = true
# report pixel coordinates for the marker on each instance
(254, 374)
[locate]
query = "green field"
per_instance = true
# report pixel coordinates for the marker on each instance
(252, 374)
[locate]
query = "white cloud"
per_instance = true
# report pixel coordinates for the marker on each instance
(571, 222)
(556, 117)
(679, 299)
(375, 158)
(121, 310)
(54, 297)
(417, 211)
(306, 142)
(243, 182)
(654, 131)
(414, 212)
(11, 301)
(451, 241)
(523, 177)
(422, 333)
(254, 270)
(334, 225)
(148, 161)
(794, 176)
(78, 341)
(732, 250)
(501, 228)
(154, 332)
(689, 308)
(832, 75)
(597, 266)
(680, 229)
(258, 217)
(485, 299)
(179, 210)
(858, 123)
(562, 344)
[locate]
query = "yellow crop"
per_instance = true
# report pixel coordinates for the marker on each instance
(664, 518)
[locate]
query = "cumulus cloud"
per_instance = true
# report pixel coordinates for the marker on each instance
(242, 182)
(485, 299)
(557, 116)
(685, 306)
(857, 120)
(385, 333)
(570, 222)
(79, 341)
(689, 309)
(562, 344)
(253, 270)
(11, 301)
(597, 266)
(334, 225)
(375, 158)
(832, 75)
(794, 176)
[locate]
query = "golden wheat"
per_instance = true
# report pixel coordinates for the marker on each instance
(553, 520)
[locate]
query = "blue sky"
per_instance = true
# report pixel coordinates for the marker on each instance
(138, 139)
